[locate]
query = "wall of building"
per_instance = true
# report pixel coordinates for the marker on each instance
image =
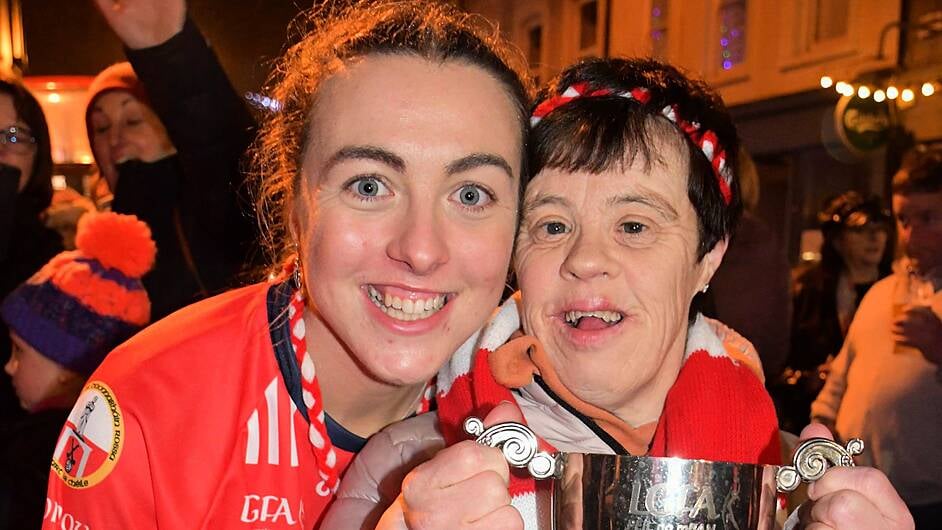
(788, 45)
(776, 52)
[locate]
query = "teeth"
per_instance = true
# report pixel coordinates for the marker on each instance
(406, 310)
(573, 317)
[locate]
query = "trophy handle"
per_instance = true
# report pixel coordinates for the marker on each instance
(812, 459)
(518, 444)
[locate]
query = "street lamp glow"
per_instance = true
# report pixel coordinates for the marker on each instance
(907, 95)
(826, 81)
(879, 96)
(892, 92)
(863, 92)
(53, 97)
(928, 89)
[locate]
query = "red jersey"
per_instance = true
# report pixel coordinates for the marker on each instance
(196, 422)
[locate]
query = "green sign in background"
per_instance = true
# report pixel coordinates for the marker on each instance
(863, 125)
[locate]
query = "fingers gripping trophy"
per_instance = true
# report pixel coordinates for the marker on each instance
(595, 491)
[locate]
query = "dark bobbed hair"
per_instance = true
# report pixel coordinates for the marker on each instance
(602, 133)
(36, 196)
(833, 220)
(921, 172)
(338, 32)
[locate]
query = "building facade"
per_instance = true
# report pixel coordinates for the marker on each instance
(767, 58)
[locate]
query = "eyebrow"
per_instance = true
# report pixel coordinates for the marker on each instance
(366, 152)
(472, 161)
(384, 156)
(125, 101)
(543, 200)
(653, 200)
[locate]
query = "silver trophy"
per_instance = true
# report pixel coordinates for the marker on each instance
(615, 492)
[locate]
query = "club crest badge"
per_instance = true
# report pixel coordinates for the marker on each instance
(90, 443)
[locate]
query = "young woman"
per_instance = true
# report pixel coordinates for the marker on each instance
(390, 181)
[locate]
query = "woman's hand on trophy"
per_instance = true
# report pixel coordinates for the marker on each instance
(463, 486)
(852, 498)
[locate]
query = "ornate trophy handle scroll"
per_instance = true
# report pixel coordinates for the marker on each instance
(812, 459)
(518, 444)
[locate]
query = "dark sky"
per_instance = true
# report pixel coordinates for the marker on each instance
(69, 37)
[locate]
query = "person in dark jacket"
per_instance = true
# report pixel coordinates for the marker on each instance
(25, 193)
(856, 252)
(168, 131)
(750, 291)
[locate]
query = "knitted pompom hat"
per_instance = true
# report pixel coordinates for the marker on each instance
(85, 302)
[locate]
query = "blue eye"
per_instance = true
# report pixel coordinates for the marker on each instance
(472, 196)
(368, 187)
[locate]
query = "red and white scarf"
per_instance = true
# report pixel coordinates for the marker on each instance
(324, 454)
(717, 409)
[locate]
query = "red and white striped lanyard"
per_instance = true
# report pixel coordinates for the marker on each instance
(324, 454)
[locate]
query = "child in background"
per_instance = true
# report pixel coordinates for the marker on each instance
(62, 322)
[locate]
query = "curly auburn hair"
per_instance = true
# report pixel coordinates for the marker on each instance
(332, 35)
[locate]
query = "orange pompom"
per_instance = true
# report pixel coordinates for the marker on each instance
(117, 241)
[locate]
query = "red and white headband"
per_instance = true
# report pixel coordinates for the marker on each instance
(705, 140)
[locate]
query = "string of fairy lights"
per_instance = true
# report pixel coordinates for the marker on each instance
(891, 91)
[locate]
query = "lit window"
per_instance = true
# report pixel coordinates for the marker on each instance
(659, 28)
(731, 21)
(588, 24)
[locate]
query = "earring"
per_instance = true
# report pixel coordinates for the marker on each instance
(296, 279)
(705, 288)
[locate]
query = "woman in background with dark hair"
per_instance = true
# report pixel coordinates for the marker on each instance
(25, 192)
(857, 251)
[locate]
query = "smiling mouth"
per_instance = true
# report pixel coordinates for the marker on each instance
(409, 309)
(593, 320)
